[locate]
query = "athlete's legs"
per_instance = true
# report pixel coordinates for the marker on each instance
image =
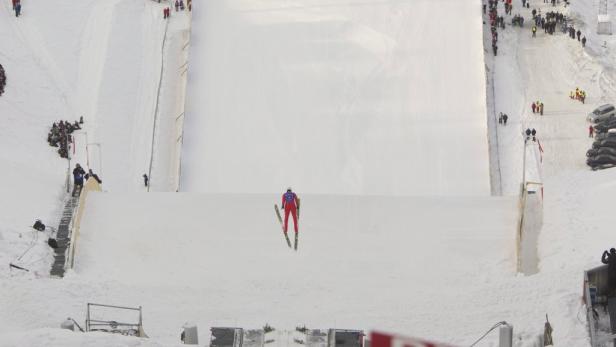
(286, 219)
(294, 213)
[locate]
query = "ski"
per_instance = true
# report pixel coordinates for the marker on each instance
(282, 226)
(296, 240)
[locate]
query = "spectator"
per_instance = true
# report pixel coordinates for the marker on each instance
(60, 136)
(2, 80)
(93, 175)
(145, 180)
(591, 131)
(78, 173)
(610, 260)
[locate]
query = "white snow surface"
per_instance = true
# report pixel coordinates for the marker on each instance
(337, 97)
(347, 61)
(363, 262)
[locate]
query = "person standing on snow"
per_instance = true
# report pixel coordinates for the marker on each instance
(290, 205)
(541, 109)
(505, 119)
(534, 29)
(591, 131)
(610, 260)
(584, 41)
(93, 175)
(78, 173)
(534, 107)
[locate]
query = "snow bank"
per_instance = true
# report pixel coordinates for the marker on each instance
(337, 97)
(57, 337)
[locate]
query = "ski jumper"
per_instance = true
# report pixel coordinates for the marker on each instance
(289, 204)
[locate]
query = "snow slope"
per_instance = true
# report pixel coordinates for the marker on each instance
(364, 262)
(65, 59)
(337, 97)
(37, 94)
(120, 124)
(379, 244)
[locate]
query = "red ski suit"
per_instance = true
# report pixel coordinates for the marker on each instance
(289, 204)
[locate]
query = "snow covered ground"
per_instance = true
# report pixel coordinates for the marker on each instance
(576, 226)
(337, 97)
(64, 60)
(364, 261)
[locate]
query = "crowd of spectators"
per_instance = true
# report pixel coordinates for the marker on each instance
(60, 136)
(496, 21)
(2, 80)
(549, 21)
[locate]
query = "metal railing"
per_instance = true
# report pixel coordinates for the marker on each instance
(112, 326)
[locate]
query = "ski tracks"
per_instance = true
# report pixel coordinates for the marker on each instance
(26, 32)
(94, 44)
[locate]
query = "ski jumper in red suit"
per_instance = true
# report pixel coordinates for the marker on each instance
(289, 204)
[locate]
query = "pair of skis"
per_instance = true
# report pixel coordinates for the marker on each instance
(286, 236)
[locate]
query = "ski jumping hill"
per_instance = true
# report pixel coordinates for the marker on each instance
(337, 97)
(367, 109)
(368, 262)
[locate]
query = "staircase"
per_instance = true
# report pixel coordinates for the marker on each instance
(63, 236)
